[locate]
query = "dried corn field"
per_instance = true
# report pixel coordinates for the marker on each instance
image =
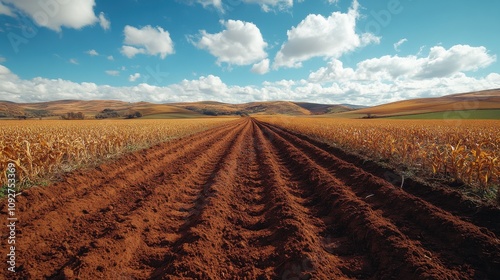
(39, 148)
(465, 150)
(247, 200)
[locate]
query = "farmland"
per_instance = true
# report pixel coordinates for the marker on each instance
(45, 147)
(462, 150)
(250, 199)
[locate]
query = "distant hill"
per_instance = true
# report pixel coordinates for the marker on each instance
(480, 100)
(91, 108)
(88, 108)
(319, 109)
(263, 108)
(268, 108)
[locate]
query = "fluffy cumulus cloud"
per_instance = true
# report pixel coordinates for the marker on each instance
(134, 77)
(261, 67)
(4, 71)
(56, 14)
(442, 62)
(217, 4)
(241, 43)
(5, 10)
(212, 87)
(439, 63)
(92, 52)
(319, 36)
(130, 52)
(372, 81)
(104, 22)
(147, 40)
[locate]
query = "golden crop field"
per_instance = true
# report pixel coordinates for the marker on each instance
(43, 147)
(466, 150)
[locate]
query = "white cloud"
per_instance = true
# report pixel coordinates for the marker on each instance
(134, 77)
(4, 71)
(261, 67)
(439, 63)
(421, 50)
(56, 14)
(334, 71)
(241, 43)
(268, 5)
(104, 22)
(205, 87)
(388, 68)
(130, 52)
(317, 36)
(5, 10)
(2, 59)
(110, 57)
(442, 62)
(147, 40)
(332, 84)
(73, 61)
(92, 52)
(112, 72)
(215, 3)
(399, 43)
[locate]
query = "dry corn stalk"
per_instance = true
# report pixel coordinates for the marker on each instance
(41, 147)
(469, 152)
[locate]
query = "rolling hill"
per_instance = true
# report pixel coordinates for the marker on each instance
(54, 109)
(272, 107)
(319, 109)
(484, 102)
(480, 100)
(90, 108)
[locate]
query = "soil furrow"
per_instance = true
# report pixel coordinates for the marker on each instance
(79, 184)
(246, 200)
(197, 253)
(296, 230)
(248, 240)
(444, 197)
(435, 229)
(352, 259)
(381, 236)
(134, 235)
(89, 215)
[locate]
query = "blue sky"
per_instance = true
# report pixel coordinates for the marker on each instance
(326, 51)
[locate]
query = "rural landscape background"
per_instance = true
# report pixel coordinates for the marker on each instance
(263, 139)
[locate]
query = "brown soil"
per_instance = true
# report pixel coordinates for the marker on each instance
(245, 200)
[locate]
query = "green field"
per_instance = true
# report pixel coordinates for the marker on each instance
(459, 114)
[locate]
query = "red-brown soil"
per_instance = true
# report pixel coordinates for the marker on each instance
(245, 200)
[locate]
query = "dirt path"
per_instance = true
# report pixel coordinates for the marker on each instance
(245, 200)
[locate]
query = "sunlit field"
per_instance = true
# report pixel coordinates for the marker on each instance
(465, 150)
(43, 147)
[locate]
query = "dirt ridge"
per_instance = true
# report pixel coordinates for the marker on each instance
(245, 200)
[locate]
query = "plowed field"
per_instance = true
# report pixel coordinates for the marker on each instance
(246, 200)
